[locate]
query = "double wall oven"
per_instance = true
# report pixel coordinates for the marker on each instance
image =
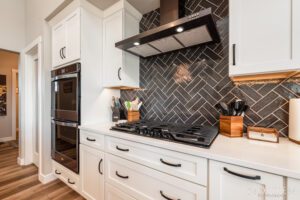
(65, 113)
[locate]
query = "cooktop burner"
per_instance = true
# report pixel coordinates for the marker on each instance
(202, 136)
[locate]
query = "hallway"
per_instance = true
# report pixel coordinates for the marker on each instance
(21, 183)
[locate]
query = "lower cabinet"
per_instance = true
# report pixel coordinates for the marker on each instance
(92, 173)
(112, 193)
(230, 182)
(67, 176)
(144, 183)
(293, 189)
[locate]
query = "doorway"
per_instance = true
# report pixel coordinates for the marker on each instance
(30, 104)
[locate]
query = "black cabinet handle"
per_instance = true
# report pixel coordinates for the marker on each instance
(60, 53)
(72, 183)
(124, 177)
(57, 172)
(99, 166)
(91, 140)
(166, 197)
(120, 149)
(119, 73)
(63, 52)
(241, 175)
(170, 164)
(234, 54)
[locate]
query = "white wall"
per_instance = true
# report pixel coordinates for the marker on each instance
(36, 12)
(12, 24)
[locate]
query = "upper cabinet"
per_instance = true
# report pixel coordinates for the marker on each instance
(264, 37)
(120, 69)
(66, 40)
(296, 31)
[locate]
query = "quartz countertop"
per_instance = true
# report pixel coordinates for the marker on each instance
(282, 159)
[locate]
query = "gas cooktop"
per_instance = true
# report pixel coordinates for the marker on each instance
(202, 136)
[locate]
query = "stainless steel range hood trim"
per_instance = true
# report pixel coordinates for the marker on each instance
(202, 18)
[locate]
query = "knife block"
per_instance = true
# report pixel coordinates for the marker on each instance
(231, 126)
(133, 116)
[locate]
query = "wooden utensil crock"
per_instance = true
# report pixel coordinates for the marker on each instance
(133, 116)
(231, 126)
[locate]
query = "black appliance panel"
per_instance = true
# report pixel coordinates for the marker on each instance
(65, 144)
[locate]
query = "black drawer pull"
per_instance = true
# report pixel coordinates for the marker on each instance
(72, 183)
(164, 196)
(241, 175)
(120, 149)
(57, 172)
(99, 166)
(91, 140)
(234, 54)
(170, 164)
(124, 177)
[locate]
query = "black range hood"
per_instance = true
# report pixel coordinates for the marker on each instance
(174, 33)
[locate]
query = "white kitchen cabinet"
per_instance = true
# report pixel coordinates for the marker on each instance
(293, 189)
(120, 69)
(296, 32)
(144, 183)
(66, 40)
(91, 173)
(67, 176)
(112, 193)
(230, 182)
(263, 38)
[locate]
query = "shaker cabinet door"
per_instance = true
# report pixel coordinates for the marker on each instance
(112, 56)
(72, 50)
(66, 40)
(296, 32)
(92, 173)
(260, 37)
(228, 182)
(58, 44)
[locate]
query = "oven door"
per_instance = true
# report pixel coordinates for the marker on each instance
(65, 144)
(65, 97)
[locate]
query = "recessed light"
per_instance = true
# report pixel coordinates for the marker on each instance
(180, 29)
(136, 44)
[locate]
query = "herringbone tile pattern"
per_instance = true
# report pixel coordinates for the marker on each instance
(207, 83)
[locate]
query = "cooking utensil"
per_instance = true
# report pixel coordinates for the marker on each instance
(225, 108)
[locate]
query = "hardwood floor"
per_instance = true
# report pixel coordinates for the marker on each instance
(21, 183)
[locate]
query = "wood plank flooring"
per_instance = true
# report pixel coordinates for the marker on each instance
(21, 183)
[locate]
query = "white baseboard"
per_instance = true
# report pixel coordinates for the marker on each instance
(6, 139)
(44, 179)
(21, 161)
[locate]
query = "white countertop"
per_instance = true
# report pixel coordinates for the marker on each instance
(282, 159)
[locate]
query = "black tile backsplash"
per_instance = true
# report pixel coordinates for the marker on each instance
(184, 86)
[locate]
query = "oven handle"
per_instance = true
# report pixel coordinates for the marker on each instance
(64, 76)
(68, 124)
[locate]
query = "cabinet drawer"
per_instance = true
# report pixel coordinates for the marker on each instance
(67, 176)
(234, 182)
(177, 164)
(144, 183)
(112, 193)
(92, 139)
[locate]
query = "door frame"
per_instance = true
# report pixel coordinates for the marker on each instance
(14, 103)
(27, 116)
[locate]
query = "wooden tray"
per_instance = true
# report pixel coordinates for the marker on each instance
(263, 134)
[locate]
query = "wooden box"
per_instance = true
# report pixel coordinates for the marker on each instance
(263, 134)
(133, 116)
(231, 126)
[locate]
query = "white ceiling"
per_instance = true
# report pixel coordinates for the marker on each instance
(144, 6)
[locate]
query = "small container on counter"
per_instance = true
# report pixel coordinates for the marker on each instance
(133, 116)
(231, 126)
